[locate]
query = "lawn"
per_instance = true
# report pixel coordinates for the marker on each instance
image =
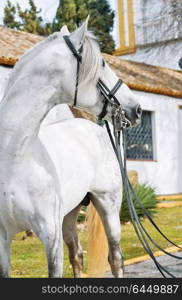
(28, 257)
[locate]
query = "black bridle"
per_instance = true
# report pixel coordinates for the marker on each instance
(120, 123)
(78, 56)
(109, 97)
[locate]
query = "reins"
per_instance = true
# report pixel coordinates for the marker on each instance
(120, 122)
(141, 232)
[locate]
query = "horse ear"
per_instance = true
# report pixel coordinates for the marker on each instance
(78, 36)
(64, 30)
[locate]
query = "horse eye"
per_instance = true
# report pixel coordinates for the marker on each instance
(103, 63)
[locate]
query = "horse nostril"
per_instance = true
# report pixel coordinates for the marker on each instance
(138, 111)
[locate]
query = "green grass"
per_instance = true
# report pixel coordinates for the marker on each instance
(28, 256)
(169, 220)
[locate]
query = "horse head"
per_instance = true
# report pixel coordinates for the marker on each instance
(93, 70)
(66, 68)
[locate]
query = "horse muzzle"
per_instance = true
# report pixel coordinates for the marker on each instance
(134, 115)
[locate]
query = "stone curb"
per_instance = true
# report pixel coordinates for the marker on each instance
(139, 259)
(169, 204)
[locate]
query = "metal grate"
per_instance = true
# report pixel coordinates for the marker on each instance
(139, 143)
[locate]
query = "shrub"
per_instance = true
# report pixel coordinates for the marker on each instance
(82, 214)
(147, 196)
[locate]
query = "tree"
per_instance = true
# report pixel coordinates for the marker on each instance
(101, 22)
(69, 12)
(73, 13)
(10, 15)
(66, 14)
(27, 20)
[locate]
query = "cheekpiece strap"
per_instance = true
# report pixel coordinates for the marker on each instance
(76, 53)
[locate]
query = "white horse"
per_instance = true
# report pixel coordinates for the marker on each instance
(31, 185)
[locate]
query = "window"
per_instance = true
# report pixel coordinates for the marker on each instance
(180, 63)
(139, 140)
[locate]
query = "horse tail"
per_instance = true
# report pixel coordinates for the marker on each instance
(97, 244)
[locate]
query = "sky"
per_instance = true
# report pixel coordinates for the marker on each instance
(48, 7)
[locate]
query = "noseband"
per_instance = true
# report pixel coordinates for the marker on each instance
(109, 96)
(119, 119)
(118, 115)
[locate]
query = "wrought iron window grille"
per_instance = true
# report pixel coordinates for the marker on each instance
(139, 140)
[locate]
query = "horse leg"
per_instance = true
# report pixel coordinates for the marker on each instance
(49, 230)
(5, 242)
(52, 239)
(108, 207)
(71, 239)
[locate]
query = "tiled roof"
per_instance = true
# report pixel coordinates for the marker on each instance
(138, 76)
(14, 43)
(144, 77)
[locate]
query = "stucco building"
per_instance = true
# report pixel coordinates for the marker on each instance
(149, 31)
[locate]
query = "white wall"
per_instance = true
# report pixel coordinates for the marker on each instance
(163, 173)
(166, 54)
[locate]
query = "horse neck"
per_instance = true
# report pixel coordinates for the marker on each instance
(21, 115)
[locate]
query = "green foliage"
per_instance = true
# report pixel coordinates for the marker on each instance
(74, 12)
(69, 12)
(82, 214)
(27, 20)
(66, 14)
(10, 16)
(147, 196)
(101, 22)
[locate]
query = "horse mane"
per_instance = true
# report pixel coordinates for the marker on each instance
(91, 66)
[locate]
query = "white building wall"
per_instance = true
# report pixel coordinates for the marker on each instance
(164, 172)
(163, 33)
(167, 55)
